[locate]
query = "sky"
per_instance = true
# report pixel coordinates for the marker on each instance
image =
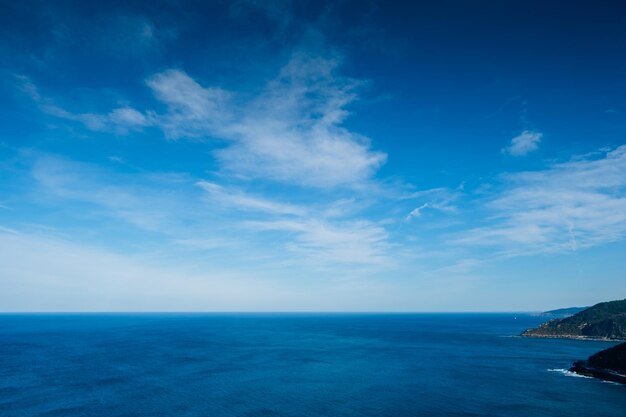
(312, 156)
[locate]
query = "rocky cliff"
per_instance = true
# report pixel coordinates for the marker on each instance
(609, 365)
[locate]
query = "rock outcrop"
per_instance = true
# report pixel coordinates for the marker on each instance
(608, 365)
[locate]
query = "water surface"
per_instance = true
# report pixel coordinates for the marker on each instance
(293, 365)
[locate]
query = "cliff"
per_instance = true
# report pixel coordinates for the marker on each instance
(609, 365)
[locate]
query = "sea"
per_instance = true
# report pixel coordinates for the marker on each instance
(293, 365)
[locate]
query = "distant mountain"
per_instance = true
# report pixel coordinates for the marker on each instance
(609, 364)
(562, 312)
(602, 321)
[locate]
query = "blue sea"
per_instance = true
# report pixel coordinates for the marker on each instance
(293, 365)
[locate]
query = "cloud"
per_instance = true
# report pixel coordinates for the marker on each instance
(571, 205)
(524, 143)
(440, 199)
(313, 233)
(171, 210)
(350, 242)
(241, 201)
(121, 120)
(192, 110)
(146, 204)
(416, 212)
(291, 131)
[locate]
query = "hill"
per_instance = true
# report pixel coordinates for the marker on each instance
(609, 364)
(602, 321)
(562, 312)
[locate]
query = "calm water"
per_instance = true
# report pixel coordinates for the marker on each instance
(293, 365)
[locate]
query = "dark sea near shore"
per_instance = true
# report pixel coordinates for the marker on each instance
(293, 365)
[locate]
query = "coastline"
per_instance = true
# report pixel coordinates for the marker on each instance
(581, 368)
(573, 337)
(606, 322)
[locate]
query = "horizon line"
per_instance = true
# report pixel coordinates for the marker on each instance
(276, 312)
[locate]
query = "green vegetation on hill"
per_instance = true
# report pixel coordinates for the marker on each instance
(563, 312)
(605, 320)
(609, 364)
(613, 358)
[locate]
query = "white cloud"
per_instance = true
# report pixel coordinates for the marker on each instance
(289, 132)
(571, 205)
(8, 230)
(242, 201)
(147, 203)
(524, 143)
(440, 199)
(192, 109)
(313, 233)
(173, 209)
(416, 212)
(351, 242)
(120, 120)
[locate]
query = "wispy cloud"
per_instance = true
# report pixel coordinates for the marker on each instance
(192, 110)
(8, 230)
(349, 242)
(242, 201)
(571, 205)
(290, 132)
(416, 212)
(140, 206)
(438, 199)
(121, 120)
(174, 209)
(319, 233)
(524, 143)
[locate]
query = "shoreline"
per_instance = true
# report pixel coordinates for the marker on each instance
(581, 368)
(573, 337)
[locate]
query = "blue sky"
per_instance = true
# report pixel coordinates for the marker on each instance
(311, 156)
